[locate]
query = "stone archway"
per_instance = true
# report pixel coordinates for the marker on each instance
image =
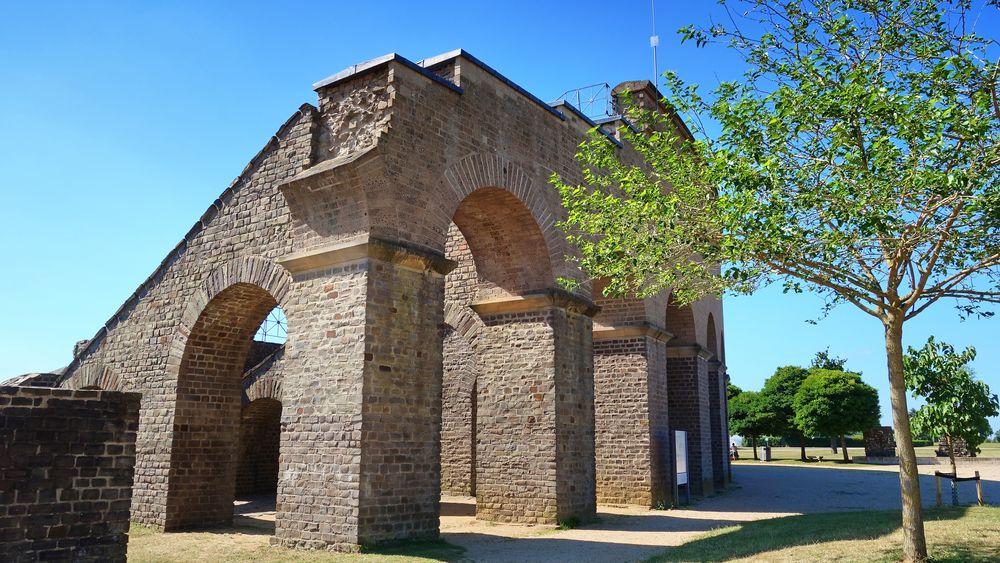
(213, 344)
(512, 388)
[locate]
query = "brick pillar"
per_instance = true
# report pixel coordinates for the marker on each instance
(535, 430)
(724, 377)
(717, 408)
(360, 448)
(632, 429)
(689, 410)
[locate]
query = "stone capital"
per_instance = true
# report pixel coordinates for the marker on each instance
(366, 247)
(631, 331)
(688, 351)
(353, 168)
(532, 302)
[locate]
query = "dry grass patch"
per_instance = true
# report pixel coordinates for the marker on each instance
(953, 534)
(241, 544)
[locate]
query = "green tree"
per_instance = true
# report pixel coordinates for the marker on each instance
(823, 360)
(835, 403)
(857, 158)
(957, 406)
(746, 417)
(777, 404)
(732, 390)
(918, 435)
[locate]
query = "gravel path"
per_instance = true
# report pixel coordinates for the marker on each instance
(633, 534)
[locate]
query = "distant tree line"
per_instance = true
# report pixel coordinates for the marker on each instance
(825, 399)
(821, 400)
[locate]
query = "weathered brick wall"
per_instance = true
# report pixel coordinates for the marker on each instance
(458, 416)
(400, 489)
(458, 408)
(661, 438)
(66, 462)
(717, 397)
(574, 415)
(321, 418)
(516, 455)
(688, 396)
(621, 404)
(257, 457)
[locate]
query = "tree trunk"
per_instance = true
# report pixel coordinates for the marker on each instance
(802, 447)
(833, 444)
(951, 456)
(954, 471)
(753, 440)
(914, 543)
(843, 446)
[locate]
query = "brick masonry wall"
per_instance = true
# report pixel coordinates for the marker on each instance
(257, 456)
(400, 488)
(720, 438)
(535, 452)
(458, 416)
(574, 416)
(320, 464)
(688, 396)
(516, 452)
(621, 404)
(661, 438)
(458, 409)
(66, 463)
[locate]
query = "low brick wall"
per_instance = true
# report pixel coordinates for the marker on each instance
(66, 463)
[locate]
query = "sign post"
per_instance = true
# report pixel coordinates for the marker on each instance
(681, 464)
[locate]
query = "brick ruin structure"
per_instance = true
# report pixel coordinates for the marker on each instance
(406, 228)
(66, 460)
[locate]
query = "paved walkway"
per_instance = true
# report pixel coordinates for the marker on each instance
(632, 534)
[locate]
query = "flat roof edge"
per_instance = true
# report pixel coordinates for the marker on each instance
(445, 57)
(378, 62)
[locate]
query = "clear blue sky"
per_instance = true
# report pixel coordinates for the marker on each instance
(121, 122)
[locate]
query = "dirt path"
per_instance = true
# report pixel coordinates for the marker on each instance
(632, 534)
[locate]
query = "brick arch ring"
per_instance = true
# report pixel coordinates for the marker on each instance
(462, 319)
(466, 324)
(95, 375)
(253, 270)
(490, 170)
(262, 388)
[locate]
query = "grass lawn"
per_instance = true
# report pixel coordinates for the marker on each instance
(240, 544)
(990, 450)
(953, 534)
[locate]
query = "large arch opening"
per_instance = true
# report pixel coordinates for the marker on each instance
(500, 253)
(679, 322)
(208, 415)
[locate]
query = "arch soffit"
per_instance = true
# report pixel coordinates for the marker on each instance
(487, 170)
(252, 270)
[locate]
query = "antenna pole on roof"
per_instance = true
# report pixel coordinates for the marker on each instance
(654, 40)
